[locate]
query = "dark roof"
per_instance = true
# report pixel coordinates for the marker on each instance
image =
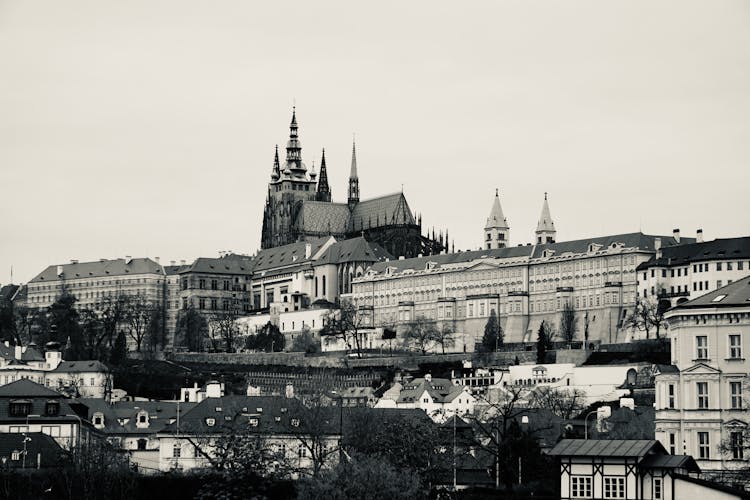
(220, 265)
(21, 294)
(25, 388)
(641, 241)
(81, 366)
(671, 462)
(176, 269)
(381, 211)
(38, 445)
(286, 255)
(718, 249)
(353, 250)
(735, 294)
(419, 263)
(8, 291)
(120, 417)
(32, 353)
(745, 495)
(323, 217)
(605, 447)
(100, 268)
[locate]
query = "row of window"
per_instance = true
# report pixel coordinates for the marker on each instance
(703, 401)
(613, 487)
(734, 347)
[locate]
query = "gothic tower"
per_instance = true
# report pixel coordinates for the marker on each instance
(545, 230)
(496, 230)
(324, 190)
(288, 188)
(353, 180)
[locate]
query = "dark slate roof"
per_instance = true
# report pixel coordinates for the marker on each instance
(323, 217)
(629, 240)
(671, 462)
(81, 366)
(116, 267)
(381, 211)
(286, 255)
(120, 417)
(419, 263)
(605, 447)
(220, 265)
(8, 291)
(353, 250)
(32, 353)
(718, 249)
(276, 416)
(38, 444)
(735, 294)
(25, 388)
(176, 269)
(21, 294)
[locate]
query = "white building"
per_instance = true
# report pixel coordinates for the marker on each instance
(702, 403)
(438, 397)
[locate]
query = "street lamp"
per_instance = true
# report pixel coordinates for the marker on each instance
(26, 439)
(605, 411)
(340, 397)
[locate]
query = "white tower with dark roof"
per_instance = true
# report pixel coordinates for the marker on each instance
(545, 229)
(496, 231)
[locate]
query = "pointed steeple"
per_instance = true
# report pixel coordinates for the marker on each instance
(276, 171)
(294, 149)
(545, 229)
(353, 198)
(324, 190)
(496, 230)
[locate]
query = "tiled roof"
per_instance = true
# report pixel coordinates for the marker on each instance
(121, 417)
(735, 294)
(25, 388)
(381, 211)
(353, 250)
(719, 249)
(628, 240)
(220, 265)
(323, 217)
(38, 445)
(293, 253)
(441, 390)
(32, 353)
(81, 367)
(605, 447)
(671, 462)
(177, 269)
(102, 268)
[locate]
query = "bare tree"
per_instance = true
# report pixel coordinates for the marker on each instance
(422, 333)
(346, 323)
(445, 335)
(113, 311)
(647, 315)
(568, 323)
(563, 403)
(224, 329)
(319, 428)
(138, 316)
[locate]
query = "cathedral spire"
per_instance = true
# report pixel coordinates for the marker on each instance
(324, 191)
(294, 148)
(353, 180)
(496, 230)
(276, 171)
(545, 229)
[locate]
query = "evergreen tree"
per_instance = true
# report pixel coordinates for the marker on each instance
(492, 333)
(120, 350)
(543, 342)
(65, 326)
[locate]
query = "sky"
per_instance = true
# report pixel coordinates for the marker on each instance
(147, 128)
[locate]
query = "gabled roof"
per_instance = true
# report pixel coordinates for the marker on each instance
(177, 269)
(353, 250)
(323, 217)
(441, 390)
(718, 249)
(32, 353)
(606, 448)
(671, 462)
(381, 211)
(286, 255)
(121, 417)
(25, 388)
(442, 260)
(100, 268)
(8, 291)
(81, 367)
(735, 294)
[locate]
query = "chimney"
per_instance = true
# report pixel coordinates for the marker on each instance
(308, 250)
(676, 234)
(400, 257)
(428, 377)
(699, 236)
(156, 259)
(74, 261)
(59, 271)
(171, 263)
(182, 262)
(657, 247)
(18, 352)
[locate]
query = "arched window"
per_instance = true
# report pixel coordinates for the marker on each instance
(316, 286)
(324, 285)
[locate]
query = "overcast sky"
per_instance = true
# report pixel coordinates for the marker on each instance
(147, 128)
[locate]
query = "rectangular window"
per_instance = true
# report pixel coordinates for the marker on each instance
(672, 443)
(614, 487)
(176, 450)
(736, 444)
(670, 396)
(51, 430)
(740, 265)
(718, 266)
(735, 395)
(657, 489)
(703, 445)
(580, 487)
(701, 389)
(701, 347)
(214, 284)
(729, 266)
(735, 346)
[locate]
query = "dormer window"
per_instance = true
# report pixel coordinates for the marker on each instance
(218, 409)
(295, 422)
(52, 408)
(141, 421)
(430, 266)
(210, 422)
(98, 420)
(253, 422)
(20, 408)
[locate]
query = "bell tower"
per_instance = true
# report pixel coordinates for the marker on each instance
(496, 230)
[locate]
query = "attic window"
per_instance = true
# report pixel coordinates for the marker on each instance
(719, 298)
(253, 422)
(277, 419)
(210, 422)
(259, 410)
(218, 408)
(227, 418)
(283, 410)
(52, 408)
(295, 422)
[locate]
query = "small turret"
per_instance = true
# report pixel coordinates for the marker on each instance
(496, 230)
(545, 229)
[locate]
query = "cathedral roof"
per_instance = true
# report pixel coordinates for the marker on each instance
(381, 211)
(285, 255)
(353, 250)
(323, 217)
(496, 218)
(545, 219)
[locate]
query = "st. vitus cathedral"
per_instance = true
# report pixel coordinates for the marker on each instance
(299, 208)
